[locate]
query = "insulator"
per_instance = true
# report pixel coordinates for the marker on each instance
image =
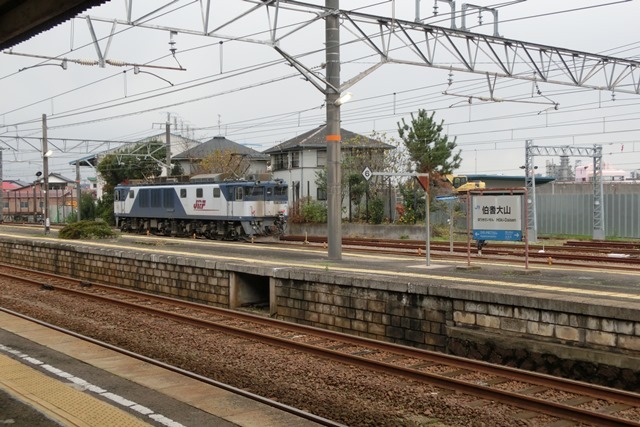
(116, 63)
(86, 62)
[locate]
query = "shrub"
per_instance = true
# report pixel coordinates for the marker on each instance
(376, 207)
(87, 230)
(314, 211)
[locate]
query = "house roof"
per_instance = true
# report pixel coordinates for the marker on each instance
(219, 143)
(316, 138)
(10, 185)
(56, 178)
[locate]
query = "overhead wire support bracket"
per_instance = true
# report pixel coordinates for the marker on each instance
(494, 12)
(101, 56)
(308, 74)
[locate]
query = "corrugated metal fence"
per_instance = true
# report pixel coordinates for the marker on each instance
(573, 214)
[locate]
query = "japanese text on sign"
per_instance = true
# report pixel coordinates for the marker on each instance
(497, 213)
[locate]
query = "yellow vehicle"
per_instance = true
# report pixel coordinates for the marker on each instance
(461, 183)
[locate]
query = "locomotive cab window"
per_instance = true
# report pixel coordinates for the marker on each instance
(198, 192)
(132, 194)
(216, 193)
(239, 193)
(183, 193)
(269, 191)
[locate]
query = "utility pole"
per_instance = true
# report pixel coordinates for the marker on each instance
(168, 144)
(333, 138)
(78, 191)
(45, 172)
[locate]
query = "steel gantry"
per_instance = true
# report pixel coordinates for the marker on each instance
(565, 151)
(409, 41)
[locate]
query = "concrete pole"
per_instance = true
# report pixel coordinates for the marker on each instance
(427, 225)
(168, 145)
(78, 191)
(45, 172)
(334, 215)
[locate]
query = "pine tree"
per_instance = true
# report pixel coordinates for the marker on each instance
(432, 151)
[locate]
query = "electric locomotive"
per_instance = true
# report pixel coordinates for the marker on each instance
(206, 206)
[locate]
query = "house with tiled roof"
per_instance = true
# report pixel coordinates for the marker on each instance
(297, 160)
(190, 159)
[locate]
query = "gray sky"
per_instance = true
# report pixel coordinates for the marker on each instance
(246, 91)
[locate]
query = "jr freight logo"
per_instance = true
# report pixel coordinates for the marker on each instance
(199, 204)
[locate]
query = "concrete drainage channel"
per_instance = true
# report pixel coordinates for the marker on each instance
(252, 292)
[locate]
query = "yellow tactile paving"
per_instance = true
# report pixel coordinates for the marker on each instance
(59, 400)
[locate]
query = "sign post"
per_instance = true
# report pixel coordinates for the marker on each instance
(449, 200)
(498, 215)
(423, 179)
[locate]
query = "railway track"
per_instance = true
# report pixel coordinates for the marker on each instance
(535, 394)
(573, 253)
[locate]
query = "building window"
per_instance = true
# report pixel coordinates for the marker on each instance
(24, 205)
(295, 159)
(322, 158)
(280, 161)
(322, 194)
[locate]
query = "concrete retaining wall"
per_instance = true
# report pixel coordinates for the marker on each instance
(450, 318)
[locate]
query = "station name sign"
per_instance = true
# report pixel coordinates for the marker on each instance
(497, 217)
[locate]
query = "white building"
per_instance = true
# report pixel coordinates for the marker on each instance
(584, 173)
(298, 160)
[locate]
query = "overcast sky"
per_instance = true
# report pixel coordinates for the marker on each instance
(246, 91)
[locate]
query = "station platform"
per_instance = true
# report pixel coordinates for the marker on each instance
(605, 289)
(49, 378)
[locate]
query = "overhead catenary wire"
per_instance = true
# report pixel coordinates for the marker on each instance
(243, 36)
(54, 116)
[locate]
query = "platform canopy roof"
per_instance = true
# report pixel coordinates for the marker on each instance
(22, 19)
